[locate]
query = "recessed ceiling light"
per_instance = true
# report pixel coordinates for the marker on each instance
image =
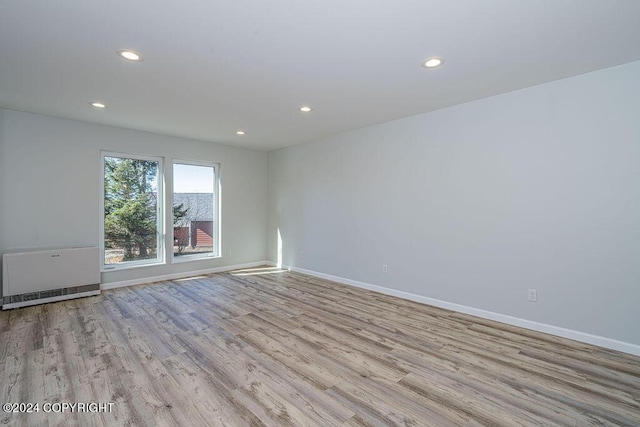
(98, 104)
(130, 55)
(305, 109)
(240, 132)
(432, 62)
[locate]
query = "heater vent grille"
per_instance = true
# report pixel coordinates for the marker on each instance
(45, 296)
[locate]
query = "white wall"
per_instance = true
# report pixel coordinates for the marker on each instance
(50, 187)
(475, 204)
(2, 180)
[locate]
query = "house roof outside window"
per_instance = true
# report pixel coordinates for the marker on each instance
(199, 205)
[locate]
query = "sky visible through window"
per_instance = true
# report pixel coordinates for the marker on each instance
(192, 179)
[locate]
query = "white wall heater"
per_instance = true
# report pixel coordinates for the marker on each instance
(30, 278)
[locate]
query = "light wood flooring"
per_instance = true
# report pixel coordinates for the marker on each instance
(267, 347)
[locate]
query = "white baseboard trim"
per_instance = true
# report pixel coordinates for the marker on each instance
(503, 318)
(113, 285)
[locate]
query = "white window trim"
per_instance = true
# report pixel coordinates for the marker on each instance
(217, 210)
(161, 223)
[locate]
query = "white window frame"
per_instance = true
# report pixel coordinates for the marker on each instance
(160, 217)
(216, 229)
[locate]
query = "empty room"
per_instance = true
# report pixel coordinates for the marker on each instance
(329, 213)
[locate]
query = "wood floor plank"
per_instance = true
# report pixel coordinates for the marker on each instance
(266, 346)
(301, 363)
(216, 404)
(482, 408)
(304, 394)
(490, 382)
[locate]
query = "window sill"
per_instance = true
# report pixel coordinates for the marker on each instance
(190, 258)
(133, 265)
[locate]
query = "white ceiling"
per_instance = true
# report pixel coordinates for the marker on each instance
(213, 67)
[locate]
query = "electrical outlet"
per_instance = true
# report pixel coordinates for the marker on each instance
(301, 254)
(533, 295)
(385, 269)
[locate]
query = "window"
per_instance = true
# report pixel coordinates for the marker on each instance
(131, 227)
(195, 214)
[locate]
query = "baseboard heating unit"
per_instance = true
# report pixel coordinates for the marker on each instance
(37, 277)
